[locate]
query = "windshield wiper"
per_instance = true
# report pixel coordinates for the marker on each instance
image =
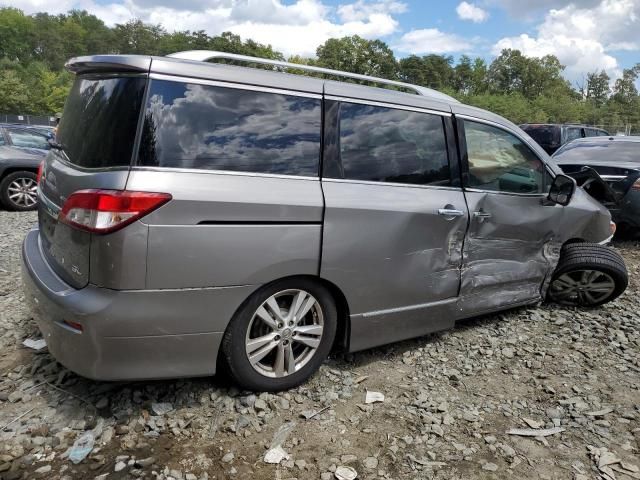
(56, 145)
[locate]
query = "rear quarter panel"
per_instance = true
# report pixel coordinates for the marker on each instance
(224, 229)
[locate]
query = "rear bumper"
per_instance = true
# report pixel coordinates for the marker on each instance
(127, 335)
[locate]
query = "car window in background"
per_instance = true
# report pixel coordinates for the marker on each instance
(24, 138)
(2, 141)
(499, 161)
(573, 133)
(544, 134)
(220, 128)
(603, 133)
(599, 151)
(390, 145)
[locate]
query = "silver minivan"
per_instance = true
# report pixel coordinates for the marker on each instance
(197, 217)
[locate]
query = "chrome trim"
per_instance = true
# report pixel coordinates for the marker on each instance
(143, 168)
(237, 86)
(613, 177)
(478, 190)
(396, 106)
(407, 308)
(204, 55)
(389, 184)
(450, 212)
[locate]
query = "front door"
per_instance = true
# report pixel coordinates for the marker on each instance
(511, 241)
(394, 221)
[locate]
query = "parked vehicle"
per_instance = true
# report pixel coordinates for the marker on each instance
(199, 216)
(22, 149)
(552, 136)
(616, 160)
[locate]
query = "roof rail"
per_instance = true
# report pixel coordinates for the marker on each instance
(204, 55)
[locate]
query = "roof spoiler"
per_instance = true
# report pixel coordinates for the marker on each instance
(109, 63)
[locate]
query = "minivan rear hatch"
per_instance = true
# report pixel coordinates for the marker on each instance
(93, 149)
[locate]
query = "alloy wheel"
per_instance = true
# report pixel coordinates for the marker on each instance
(284, 333)
(582, 287)
(23, 192)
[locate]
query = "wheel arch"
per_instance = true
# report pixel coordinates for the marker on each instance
(341, 341)
(9, 170)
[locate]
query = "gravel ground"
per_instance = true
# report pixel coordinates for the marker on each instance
(449, 400)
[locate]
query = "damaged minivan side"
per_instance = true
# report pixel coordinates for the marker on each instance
(200, 216)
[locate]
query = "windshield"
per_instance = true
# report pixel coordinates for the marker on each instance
(99, 122)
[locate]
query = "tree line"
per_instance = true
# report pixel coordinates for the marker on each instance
(34, 48)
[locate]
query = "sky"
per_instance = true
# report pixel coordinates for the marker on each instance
(586, 35)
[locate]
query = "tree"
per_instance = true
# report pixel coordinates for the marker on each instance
(433, 71)
(597, 88)
(14, 94)
(137, 37)
(358, 55)
(16, 35)
(512, 72)
(624, 90)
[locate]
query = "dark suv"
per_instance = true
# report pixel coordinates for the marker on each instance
(552, 136)
(22, 149)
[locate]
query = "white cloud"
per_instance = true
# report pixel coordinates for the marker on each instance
(431, 40)
(361, 10)
(296, 27)
(583, 38)
(468, 11)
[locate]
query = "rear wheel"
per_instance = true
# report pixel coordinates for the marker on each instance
(19, 191)
(588, 275)
(280, 336)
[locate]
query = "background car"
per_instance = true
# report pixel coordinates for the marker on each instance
(552, 136)
(22, 148)
(616, 160)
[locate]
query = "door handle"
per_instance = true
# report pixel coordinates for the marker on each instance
(480, 215)
(450, 212)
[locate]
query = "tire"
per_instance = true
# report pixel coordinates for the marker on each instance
(18, 191)
(256, 319)
(588, 275)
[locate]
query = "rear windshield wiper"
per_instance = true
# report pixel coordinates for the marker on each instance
(56, 145)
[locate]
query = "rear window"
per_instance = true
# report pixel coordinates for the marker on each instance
(543, 135)
(599, 151)
(99, 122)
(206, 127)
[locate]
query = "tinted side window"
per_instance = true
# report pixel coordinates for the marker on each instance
(390, 145)
(206, 127)
(23, 138)
(99, 122)
(501, 162)
(573, 133)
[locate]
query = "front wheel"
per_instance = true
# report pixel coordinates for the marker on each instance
(19, 191)
(280, 336)
(588, 275)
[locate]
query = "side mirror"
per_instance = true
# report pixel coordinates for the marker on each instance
(562, 189)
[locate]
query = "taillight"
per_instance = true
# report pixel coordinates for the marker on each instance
(39, 175)
(104, 211)
(636, 185)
